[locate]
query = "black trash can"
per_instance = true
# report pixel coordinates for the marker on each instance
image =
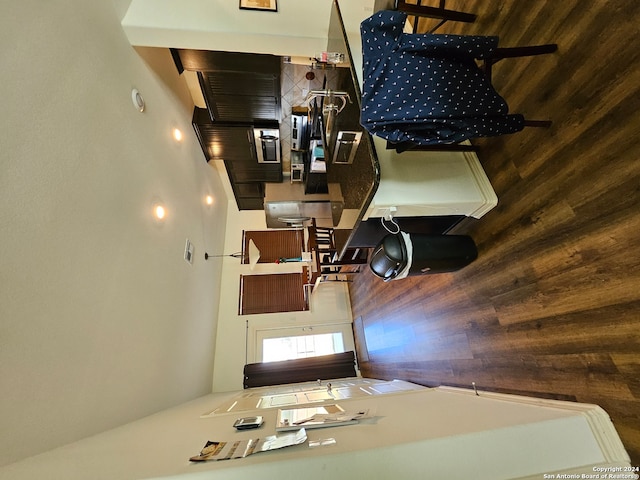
(404, 254)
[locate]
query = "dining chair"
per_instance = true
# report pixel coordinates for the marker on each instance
(421, 90)
(440, 12)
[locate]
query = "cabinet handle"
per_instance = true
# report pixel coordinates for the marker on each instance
(251, 146)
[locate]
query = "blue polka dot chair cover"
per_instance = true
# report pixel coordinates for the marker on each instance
(427, 89)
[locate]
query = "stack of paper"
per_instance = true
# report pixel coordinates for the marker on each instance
(316, 417)
(242, 448)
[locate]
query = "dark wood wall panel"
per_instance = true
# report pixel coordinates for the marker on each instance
(551, 308)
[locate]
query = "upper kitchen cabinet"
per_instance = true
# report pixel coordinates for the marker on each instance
(220, 141)
(241, 96)
(237, 87)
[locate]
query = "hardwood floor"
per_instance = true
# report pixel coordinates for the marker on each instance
(551, 307)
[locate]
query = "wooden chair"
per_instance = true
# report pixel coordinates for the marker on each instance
(350, 262)
(324, 238)
(440, 12)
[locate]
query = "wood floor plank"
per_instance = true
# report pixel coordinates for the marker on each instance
(612, 330)
(551, 307)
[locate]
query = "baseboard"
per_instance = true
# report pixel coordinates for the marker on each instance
(598, 420)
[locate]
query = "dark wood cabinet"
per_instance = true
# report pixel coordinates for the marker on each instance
(316, 182)
(370, 232)
(241, 96)
(250, 203)
(249, 196)
(244, 172)
(223, 141)
(237, 87)
(233, 143)
(241, 91)
(216, 61)
(247, 182)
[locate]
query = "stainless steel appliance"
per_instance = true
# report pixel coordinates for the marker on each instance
(346, 146)
(297, 166)
(267, 144)
(299, 132)
(284, 214)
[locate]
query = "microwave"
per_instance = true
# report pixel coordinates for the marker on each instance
(267, 142)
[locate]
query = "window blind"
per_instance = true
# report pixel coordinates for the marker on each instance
(272, 293)
(274, 244)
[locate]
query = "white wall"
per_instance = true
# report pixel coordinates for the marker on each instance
(299, 28)
(231, 347)
(101, 320)
(121, 7)
(421, 434)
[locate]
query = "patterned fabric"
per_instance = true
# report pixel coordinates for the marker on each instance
(427, 89)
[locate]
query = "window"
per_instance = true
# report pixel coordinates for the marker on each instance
(275, 244)
(302, 346)
(272, 293)
(274, 343)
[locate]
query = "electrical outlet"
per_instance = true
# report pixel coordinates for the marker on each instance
(388, 215)
(188, 252)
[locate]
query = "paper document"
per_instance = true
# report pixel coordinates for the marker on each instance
(317, 417)
(213, 451)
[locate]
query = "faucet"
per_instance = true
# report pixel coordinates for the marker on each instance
(344, 96)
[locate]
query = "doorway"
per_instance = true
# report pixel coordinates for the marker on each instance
(289, 343)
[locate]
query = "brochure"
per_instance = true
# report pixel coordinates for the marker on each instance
(316, 417)
(241, 448)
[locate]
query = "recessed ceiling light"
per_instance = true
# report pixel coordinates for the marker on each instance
(208, 199)
(177, 134)
(138, 101)
(159, 211)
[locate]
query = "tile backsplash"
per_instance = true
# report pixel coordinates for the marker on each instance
(294, 88)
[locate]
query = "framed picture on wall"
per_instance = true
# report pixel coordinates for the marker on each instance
(266, 5)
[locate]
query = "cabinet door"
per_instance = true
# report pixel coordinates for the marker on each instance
(316, 183)
(237, 87)
(241, 96)
(252, 189)
(247, 181)
(219, 61)
(371, 232)
(250, 203)
(244, 172)
(224, 142)
(249, 196)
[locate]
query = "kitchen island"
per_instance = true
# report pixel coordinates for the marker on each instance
(441, 188)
